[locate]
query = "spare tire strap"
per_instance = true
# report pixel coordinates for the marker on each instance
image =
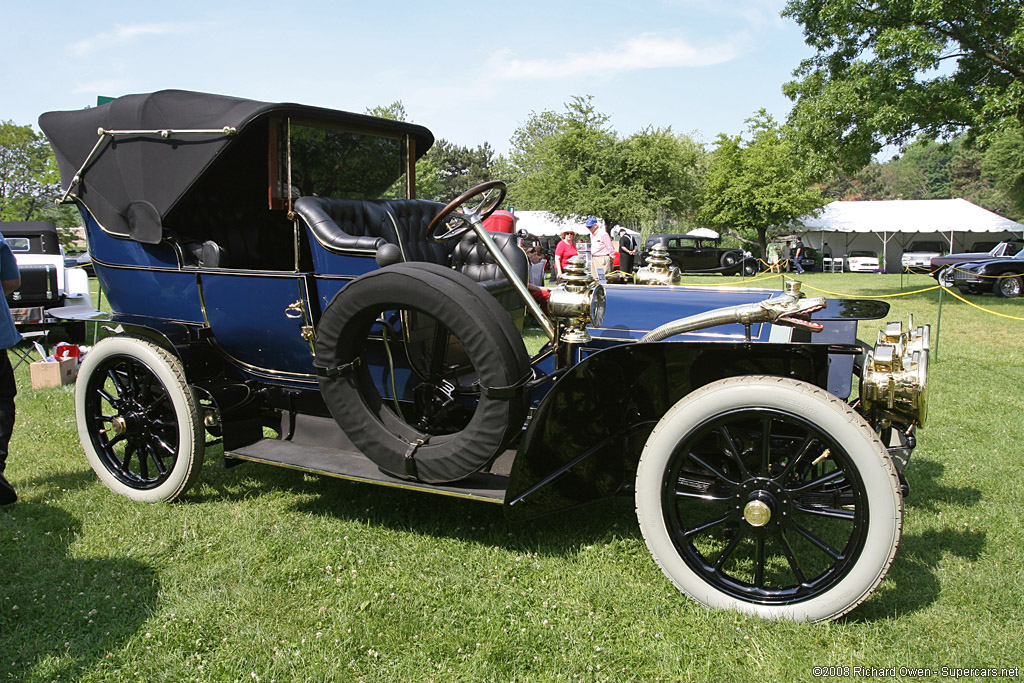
(410, 461)
(511, 391)
(339, 371)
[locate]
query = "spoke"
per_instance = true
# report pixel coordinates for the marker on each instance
(164, 445)
(766, 445)
(734, 451)
(833, 477)
(700, 496)
(700, 461)
(117, 439)
(720, 562)
(160, 467)
(804, 449)
(707, 525)
(160, 400)
(143, 464)
(112, 374)
(824, 547)
(759, 563)
(110, 399)
(129, 451)
(787, 550)
(829, 512)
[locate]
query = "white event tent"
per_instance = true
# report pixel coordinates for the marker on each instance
(890, 226)
(544, 224)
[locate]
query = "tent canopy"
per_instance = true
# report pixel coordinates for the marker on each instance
(908, 215)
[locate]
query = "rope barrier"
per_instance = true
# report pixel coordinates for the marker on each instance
(980, 308)
(872, 296)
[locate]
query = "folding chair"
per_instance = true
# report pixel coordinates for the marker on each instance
(25, 350)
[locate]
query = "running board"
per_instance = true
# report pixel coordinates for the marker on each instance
(342, 464)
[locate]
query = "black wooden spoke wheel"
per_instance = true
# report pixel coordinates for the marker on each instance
(769, 496)
(138, 420)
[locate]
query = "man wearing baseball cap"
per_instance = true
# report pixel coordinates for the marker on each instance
(601, 247)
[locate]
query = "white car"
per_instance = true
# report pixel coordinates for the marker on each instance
(862, 262)
(920, 254)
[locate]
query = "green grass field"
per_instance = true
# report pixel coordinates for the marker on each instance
(264, 574)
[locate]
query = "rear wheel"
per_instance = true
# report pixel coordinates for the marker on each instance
(138, 420)
(1008, 286)
(769, 496)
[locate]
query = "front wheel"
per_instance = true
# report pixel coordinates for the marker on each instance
(138, 420)
(769, 496)
(1008, 286)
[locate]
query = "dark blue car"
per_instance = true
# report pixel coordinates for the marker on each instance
(277, 287)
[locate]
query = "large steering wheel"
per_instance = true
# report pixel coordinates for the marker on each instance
(455, 219)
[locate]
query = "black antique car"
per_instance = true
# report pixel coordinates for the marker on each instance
(698, 251)
(277, 287)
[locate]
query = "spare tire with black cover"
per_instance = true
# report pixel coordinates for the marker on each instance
(485, 335)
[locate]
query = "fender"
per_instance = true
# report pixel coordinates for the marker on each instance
(584, 440)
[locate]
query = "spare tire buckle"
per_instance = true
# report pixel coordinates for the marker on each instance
(510, 392)
(340, 371)
(410, 462)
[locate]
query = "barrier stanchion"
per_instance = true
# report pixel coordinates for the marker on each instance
(938, 325)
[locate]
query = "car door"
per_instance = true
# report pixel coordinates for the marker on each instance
(261, 320)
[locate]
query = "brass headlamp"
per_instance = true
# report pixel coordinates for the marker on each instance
(578, 302)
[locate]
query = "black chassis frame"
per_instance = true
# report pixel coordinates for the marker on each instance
(560, 461)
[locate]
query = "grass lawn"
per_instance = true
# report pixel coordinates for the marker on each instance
(265, 574)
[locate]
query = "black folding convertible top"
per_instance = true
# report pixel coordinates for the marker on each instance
(135, 180)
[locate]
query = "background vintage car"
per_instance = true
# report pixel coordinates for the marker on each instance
(862, 261)
(1004, 249)
(46, 280)
(918, 256)
(698, 251)
(1004, 277)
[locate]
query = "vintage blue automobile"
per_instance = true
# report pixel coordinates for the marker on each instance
(276, 285)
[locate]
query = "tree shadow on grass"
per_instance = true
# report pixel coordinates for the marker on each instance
(60, 616)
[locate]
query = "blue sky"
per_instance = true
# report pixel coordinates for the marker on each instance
(469, 71)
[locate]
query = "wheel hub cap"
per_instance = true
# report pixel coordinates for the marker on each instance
(757, 513)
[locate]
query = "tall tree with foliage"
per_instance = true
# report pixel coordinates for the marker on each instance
(887, 72)
(753, 186)
(456, 168)
(29, 179)
(573, 163)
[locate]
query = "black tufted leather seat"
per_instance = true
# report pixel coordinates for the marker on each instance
(365, 225)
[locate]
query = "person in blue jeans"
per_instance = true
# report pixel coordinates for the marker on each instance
(798, 251)
(10, 279)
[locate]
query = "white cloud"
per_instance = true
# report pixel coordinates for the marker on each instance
(121, 35)
(647, 51)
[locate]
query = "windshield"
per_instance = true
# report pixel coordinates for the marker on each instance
(330, 162)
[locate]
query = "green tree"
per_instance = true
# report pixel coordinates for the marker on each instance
(29, 179)
(887, 72)
(1003, 163)
(573, 163)
(757, 185)
(456, 169)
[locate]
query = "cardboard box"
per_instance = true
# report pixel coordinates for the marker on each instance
(53, 374)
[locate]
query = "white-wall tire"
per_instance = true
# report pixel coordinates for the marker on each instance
(138, 420)
(729, 530)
